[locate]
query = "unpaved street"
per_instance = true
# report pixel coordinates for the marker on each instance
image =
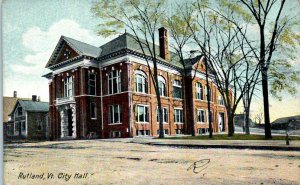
(123, 162)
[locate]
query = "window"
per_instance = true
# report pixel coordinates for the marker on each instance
(23, 126)
(202, 130)
(179, 131)
(20, 111)
(210, 116)
(200, 116)
(141, 82)
(162, 86)
(92, 84)
(142, 113)
(115, 114)
(116, 134)
(166, 132)
(209, 94)
(114, 82)
(68, 86)
(165, 115)
(39, 126)
(93, 111)
(142, 132)
(199, 91)
(178, 117)
(177, 89)
(221, 100)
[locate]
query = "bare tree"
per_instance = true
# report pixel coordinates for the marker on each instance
(142, 18)
(226, 53)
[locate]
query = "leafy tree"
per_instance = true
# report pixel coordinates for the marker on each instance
(143, 19)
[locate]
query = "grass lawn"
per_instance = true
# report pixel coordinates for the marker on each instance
(235, 137)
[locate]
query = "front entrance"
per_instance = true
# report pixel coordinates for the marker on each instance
(221, 122)
(70, 122)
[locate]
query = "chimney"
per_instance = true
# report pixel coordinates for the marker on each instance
(33, 97)
(163, 44)
(15, 94)
(39, 98)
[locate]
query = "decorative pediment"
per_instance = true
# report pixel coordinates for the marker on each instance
(62, 52)
(68, 49)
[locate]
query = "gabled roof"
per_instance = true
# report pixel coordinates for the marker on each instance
(80, 47)
(8, 106)
(32, 106)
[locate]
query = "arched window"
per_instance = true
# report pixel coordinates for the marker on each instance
(177, 89)
(141, 84)
(162, 86)
(114, 82)
(199, 91)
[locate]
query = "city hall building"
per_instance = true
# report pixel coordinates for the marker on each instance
(107, 91)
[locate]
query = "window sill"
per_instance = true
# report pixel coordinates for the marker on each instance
(142, 122)
(177, 123)
(114, 123)
(177, 98)
(93, 118)
(165, 123)
(201, 122)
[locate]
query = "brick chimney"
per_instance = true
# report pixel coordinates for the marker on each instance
(15, 94)
(163, 44)
(34, 97)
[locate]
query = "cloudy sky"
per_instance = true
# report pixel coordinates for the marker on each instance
(32, 28)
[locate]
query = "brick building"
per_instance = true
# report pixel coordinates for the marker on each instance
(107, 91)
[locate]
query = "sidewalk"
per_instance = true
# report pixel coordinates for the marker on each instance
(234, 144)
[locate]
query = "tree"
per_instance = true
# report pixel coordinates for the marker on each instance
(143, 19)
(274, 33)
(225, 51)
(181, 37)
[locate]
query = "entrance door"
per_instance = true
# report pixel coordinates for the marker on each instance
(221, 122)
(70, 122)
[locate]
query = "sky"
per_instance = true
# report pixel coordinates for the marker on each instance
(32, 28)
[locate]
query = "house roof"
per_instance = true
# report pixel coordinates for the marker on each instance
(32, 106)
(8, 106)
(287, 119)
(129, 41)
(124, 41)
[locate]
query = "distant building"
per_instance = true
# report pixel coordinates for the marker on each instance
(281, 123)
(8, 106)
(239, 120)
(29, 119)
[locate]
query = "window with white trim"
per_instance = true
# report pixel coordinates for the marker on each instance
(92, 84)
(114, 82)
(179, 131)
(162, 86)
(221, 100)
(142, 113)
(93, 110)
(199, 91)
(141, 82)
(200, 116)
(177, 89)
(209, 94)
(115, 114)
(143, 132)
(178, 116)
(68, 86)
(23, 126)
(165, 115)
(166, 132)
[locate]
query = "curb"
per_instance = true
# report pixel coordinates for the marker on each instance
(194, 146)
